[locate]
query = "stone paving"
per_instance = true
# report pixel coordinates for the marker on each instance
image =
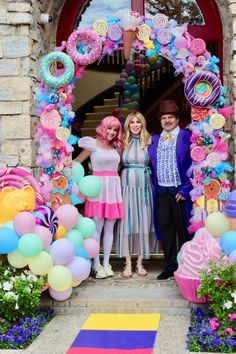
(113, 295)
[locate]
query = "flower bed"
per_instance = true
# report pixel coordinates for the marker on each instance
(214, 330)
(21, 320)
(202, 338)
(24, 332)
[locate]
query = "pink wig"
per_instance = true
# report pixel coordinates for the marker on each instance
(110, 122)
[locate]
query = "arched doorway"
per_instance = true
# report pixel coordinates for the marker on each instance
(203, 18)
(210, 30)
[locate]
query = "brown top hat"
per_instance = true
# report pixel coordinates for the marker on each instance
(168, 106)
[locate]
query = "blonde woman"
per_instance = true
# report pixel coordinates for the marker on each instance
(135, 231)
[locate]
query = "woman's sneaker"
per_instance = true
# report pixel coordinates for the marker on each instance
(99, 272)
(108, 270)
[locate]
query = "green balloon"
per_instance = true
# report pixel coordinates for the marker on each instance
(130, 105)
(90, 186)
(131, 80)
(77, 172)
(135, 97)
(75, 237)
(86, 226)
(30, 245)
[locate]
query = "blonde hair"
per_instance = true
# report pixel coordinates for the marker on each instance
(144, 135)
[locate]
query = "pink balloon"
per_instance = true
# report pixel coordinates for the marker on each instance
(79, 268)
(232, 257)
(24, 223)
(180, 42)
(60, 295)
(44, 234)
(91, 246)
(67, 216)
(62, 251)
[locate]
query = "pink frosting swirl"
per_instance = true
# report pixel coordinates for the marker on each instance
(196, 254)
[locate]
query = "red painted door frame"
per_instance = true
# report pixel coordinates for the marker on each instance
(212, 31)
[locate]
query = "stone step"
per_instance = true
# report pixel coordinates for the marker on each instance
(88, 132)
(97, 115)
(118, 294)
(111, 101)
(105, 108)
(91, 123)
(117, 94)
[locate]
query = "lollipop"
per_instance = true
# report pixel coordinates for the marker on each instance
(45, 216)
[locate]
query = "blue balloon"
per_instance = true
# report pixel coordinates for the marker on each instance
(8, 240)
(80, 252)
(228, 242)
(9, 225)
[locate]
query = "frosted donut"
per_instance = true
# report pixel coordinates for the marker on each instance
(45, 66)
(202, 89)
(90, 37)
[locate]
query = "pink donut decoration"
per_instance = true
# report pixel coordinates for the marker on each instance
(90, 37)
(202, 89)
(197, 46)
(17, 178)
(198, 153)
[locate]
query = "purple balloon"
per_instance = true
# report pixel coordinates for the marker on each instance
(60, 295)
(79, 268)
(232, 257)
(62, 251)
(45, 216)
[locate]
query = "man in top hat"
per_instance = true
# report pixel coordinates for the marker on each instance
(170, 158)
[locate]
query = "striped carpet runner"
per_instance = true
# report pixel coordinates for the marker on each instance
(116, 334)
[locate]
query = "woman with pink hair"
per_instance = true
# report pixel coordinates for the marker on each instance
(107, 207)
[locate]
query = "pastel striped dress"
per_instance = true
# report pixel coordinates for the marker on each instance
(108, 204)
(135, 233)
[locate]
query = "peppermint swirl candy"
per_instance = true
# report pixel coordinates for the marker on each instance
(164, 36)
(62, 133)
(213, 159)
(51, 119)
(115, 32)
(198, 153)
(197, 46)
(198, 114)
(144, 32)
(46, 217)
(217, 121)
(160, 21)
(100, 27)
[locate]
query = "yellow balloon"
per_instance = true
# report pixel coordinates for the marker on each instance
(76, 283)
(41, 264)
(217, 224)
(17, 260)
(60, 232)
(59, 278)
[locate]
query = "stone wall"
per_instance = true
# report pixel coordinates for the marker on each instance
(23, 41)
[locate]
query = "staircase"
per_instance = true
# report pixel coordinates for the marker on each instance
(122, 295)
(92, 120)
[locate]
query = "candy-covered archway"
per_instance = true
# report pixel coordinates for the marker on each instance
(158, 37)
